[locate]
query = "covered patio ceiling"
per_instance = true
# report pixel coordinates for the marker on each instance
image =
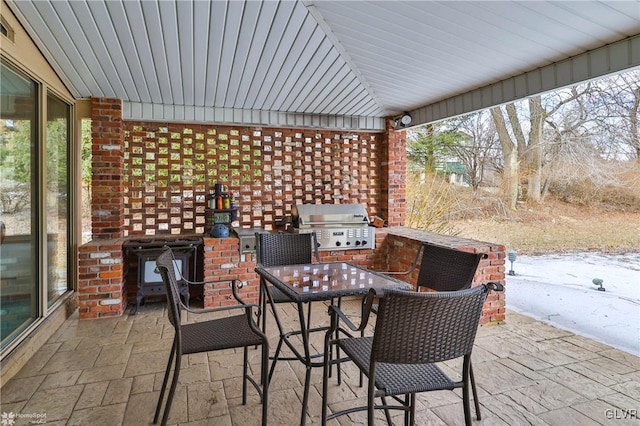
(326, 64)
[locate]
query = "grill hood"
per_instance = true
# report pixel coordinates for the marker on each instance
(312, 215)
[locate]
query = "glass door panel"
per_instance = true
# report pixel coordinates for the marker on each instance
(57, 197)
(18, 203)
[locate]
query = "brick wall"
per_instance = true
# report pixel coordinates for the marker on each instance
(170, 169)
(101, 279)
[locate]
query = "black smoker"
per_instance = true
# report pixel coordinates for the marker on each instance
(149, 282)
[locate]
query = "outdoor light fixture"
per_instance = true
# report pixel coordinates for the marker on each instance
(403, 120)
(511, 255)
(598, 282)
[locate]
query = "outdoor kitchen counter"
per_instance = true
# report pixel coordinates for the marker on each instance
(102, 261)
(222, 259)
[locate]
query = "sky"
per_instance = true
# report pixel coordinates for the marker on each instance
(559, 290)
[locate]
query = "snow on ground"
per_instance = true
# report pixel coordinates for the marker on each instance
(558, 289)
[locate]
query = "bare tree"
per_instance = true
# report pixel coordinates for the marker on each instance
(479, 146)
(529, 149)
(510, 155)
(615, 104)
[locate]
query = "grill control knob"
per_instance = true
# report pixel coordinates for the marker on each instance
(358, 243)
(348, 243)
(338, 243)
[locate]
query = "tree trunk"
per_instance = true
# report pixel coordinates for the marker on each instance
(510, 155)
(633, 117)
(534, 152)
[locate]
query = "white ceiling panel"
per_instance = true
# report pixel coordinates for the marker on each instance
(332, 63)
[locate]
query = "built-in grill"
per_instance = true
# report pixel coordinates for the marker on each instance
(337, 226)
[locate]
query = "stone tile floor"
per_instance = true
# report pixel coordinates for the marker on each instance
(109, 371)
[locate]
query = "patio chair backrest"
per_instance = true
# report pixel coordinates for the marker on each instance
(427, 327)
(446, 269)
(165, 265)
(285, 249)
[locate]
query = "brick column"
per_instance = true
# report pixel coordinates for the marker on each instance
(100, 262)
(394, 176)
(107, 185)
(101, 279)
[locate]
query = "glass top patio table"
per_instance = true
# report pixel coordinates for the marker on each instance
(323, 281)
(317, 282)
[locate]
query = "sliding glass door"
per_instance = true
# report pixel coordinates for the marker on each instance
(18, 194)
(34, 201)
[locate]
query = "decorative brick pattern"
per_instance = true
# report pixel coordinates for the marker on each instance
(170, 170)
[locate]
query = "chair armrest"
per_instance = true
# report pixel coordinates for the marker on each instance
(495, 286)
(336, 313)
(335, 310)
(411, 268)
(235, 285)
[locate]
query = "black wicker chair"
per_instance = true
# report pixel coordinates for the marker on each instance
(234, 331)
(446, 269)
(413, 331)
(283, 249)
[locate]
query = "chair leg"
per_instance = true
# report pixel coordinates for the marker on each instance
(465, 390)
(164, 383)
(412, 412)
(371, 401)
(326, 369)
(276, 354)
(338, 369)
(264, 373)
(262, 307)
(172, 390)
(245, 361)
(474, 391)
(387, 414)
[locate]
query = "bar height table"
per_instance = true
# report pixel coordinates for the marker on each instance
(312, 283)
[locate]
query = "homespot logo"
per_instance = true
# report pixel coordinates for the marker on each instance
(10, 418)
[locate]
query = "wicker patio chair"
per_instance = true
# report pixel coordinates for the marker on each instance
(283, 249)
(232, 331)
(413, 331)
(446, 269)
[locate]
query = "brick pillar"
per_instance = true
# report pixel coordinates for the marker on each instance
(100, 262)
(394, 176)
(107, 185)
(101, 279)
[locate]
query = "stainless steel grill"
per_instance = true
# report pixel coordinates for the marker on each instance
(337, 226)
